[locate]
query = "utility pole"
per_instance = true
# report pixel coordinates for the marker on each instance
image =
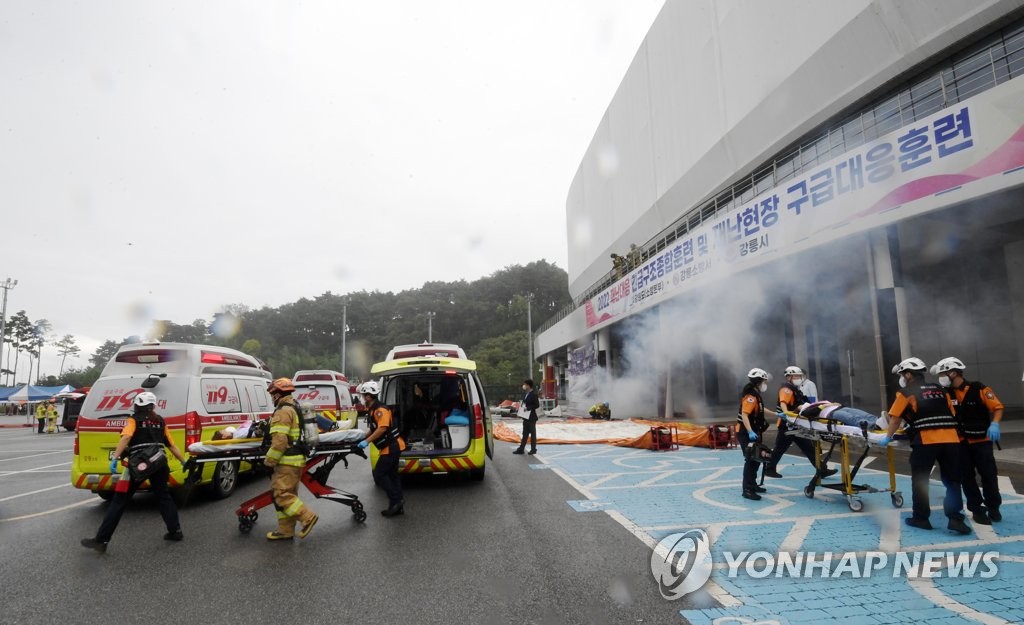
(6, 285)
(344, 332)
(430, 326)
(529, 335)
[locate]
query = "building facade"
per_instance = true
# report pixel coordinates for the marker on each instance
(836, 185)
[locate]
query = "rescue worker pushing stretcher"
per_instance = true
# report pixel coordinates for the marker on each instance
(287, 460)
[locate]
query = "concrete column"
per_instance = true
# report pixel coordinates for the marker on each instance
(889, 306)
(1015, 283)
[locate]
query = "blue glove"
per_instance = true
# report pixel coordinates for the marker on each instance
(780, 415)
(113, 465)
(993, 432)
(885, 440)
(752, 436)
(363, 444)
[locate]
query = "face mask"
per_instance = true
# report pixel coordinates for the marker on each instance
(763, 387)
(944, 381)
(798, 381)
(903, 382)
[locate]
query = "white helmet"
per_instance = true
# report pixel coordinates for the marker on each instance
(910, 364)
(371, 387)
(948, 364)
(759, 374)
(794, 370)
(144, 399)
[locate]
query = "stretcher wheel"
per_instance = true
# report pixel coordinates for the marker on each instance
(359, 515)
(808, 492)
(856, 504)
(247, 521)
(897, 500)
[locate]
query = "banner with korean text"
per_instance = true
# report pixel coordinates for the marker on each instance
(971, 149)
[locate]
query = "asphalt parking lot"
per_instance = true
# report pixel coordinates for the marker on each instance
(562, 537)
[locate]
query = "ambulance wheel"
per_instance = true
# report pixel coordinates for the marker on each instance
(856, 504)
(808, 492)
(105, 495)
(225, 478)
(477, 475)
(897, 500)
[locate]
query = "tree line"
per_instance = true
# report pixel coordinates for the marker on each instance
(487, 317)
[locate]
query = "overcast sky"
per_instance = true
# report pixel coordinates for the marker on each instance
(162, 160)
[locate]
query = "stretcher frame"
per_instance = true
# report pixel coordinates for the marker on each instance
(320, 461)
(848, 471)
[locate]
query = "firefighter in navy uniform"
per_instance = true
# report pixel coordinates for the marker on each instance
(752, 426)
(384, 434)
(791, 397)
(928, 412)
(978, 411)
(287, 460)
(144, 429)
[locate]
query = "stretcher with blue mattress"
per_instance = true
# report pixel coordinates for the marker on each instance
(847, 438)
(332, 448)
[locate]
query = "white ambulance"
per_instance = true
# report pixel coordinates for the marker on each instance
(199, 388)
(327, 393)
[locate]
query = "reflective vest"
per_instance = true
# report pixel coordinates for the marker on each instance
(972, 413)
(390, 436)
(932, 408)
(757, 415)
(149, 430)
(799, 399)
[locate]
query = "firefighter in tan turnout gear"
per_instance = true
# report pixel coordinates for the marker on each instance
(287, 460)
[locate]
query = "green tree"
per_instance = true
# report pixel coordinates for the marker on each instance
(21, 334)
(67, 347)
(105, 352)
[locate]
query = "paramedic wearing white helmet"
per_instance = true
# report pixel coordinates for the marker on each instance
(144, 429)
(978, 411)
(791, 397)
(384, 435)
(752, 426)
(928, 412)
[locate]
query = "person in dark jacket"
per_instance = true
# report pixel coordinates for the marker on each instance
(145, 429)
(928, 411)
(531, 403)
(978, 413)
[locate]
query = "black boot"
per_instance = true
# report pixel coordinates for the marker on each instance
(394, 509)
(749, 494)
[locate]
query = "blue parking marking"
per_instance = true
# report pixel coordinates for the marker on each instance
(656, 494)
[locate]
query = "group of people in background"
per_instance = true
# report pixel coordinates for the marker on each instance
(952, 422)
(46, 416)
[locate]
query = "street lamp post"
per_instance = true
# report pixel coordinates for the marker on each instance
(344, 333)
(6, 285)
(430, 326)
(529, 335)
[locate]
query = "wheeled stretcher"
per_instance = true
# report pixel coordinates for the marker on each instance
(333, 447)
(848, 438)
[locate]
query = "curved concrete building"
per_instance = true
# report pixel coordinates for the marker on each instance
(835, 185)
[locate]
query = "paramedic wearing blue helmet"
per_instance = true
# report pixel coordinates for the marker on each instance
(752, 426)
(384, 434)
(928, 412)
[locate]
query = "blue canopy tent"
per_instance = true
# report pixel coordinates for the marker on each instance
(7, 392)
(36, 393)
